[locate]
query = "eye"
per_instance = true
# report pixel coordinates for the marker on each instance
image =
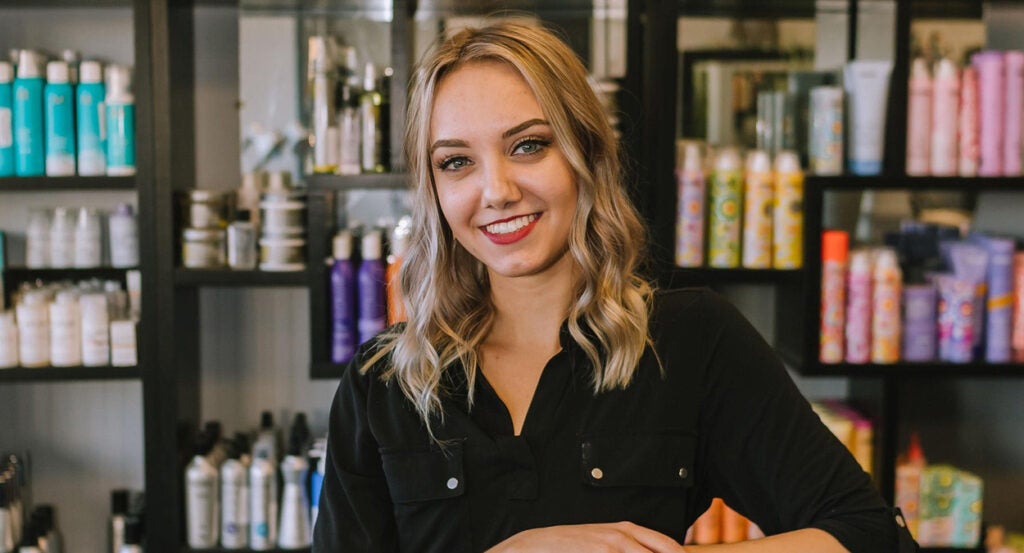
(530, 146)
(453, 163)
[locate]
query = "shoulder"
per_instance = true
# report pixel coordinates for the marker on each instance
(688, 325)
(371, 364)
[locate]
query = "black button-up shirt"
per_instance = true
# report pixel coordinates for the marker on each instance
(720, 417)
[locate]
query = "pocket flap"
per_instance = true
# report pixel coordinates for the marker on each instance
(618, 459)
(424, 474)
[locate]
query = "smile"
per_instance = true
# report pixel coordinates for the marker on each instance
(511, 230)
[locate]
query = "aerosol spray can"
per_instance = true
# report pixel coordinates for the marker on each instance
(726, 205)
(788, 235)
(759, 197)
(886, 294)
(834, 253)
(692, 194)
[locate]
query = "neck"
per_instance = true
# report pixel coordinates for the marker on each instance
(530, 310)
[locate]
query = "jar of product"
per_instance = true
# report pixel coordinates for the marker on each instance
(34, 329)
(65, 330)
(202, 248)
(95, 330)
(62, 239)
(88, 239)
(241, 245)
(124, 237)
(282, 254)
(37, 239)
(8, 340)
(205, 209)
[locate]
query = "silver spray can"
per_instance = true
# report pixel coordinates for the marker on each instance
(201, 503)
(263, 503)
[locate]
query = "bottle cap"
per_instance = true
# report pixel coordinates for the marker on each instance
(341, 245)
(69, 56)
(835, 245)
(914, 452)
(860, 261)
(728, 159)
(28, 65)
(57, 72)
(242, 443)
(6, 72)
(90, 72)
(758, 161)
(787, 161)
(213, 429)
(371, 245)
(919, 69)
(119, 502)
(266, 420)
(119, 80)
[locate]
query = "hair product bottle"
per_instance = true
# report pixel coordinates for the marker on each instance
(295, 530)
(726, 206)
(90, 113)
(834, 252)
(887, 285)
(349, 131)
(234, 500)
(1017, 334)
(321, 68)
(95, 330)
(263, 501)
(6, 120)
(998, 315)
(969, 154)
(858, 307)
(992, 111)
(759, 196)
(919, 115)
(372, 310)
(266, 445)
(50, 538)
(132, 535)
(60, 121)
(29, 133)
(919, 324)
(399, 245)
(120, 111)
(201, 499)
(118, 512)
(945, 118)
(1014, 74)
(908, 483)
(692, 200)
(33, 329)
(827, 148)
(344, 334)
(65, 330)
(370, 106)
(788, 217)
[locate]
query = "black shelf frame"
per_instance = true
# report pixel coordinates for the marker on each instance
(227, 278)
(856, 183)
(712, 276)
(73, 184)
(243, 550)
(69, 374)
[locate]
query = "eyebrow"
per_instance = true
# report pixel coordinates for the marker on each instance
(455, 143)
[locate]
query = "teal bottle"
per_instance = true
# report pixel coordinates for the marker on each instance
(89, 114)
(59, 98)
(120, 107)
(6, 119)
(30, 155)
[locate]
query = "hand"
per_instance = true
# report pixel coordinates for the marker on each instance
(619, 537)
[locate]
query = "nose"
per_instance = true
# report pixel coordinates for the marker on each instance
(499, 186)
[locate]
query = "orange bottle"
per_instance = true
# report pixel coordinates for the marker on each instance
(399, 245)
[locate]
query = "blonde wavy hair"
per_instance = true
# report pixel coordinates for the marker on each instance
(446, 290)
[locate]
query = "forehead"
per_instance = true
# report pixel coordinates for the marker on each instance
(481, 98)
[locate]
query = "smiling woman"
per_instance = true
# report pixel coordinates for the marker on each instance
(541, 396)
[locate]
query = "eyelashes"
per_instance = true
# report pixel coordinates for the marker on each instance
(525, 147)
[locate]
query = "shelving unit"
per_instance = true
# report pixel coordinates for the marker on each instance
(69, 374)
(79, 184)
(370, 181)
(226, 278)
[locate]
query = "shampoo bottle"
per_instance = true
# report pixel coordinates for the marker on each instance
(344, 335)
(692, 192)
(372, 311)
(90, 113)
(29, 133)
(6, 119)
(908, 484)
(234, 500)
(370, 106)
(759, 195)
(266, 440)
(263, 502)
(945, 118)
(399, 245)
(295, 530)
(919, 119)
(858, 308)
(887, 291)
(201, 499)
(60, 121)
(726, 196)
(120, 111)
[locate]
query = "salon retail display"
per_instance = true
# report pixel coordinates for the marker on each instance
(867, 88)
(282, 242)
(764, 199)
(66, 237)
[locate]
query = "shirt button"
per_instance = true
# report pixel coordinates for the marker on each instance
(596, 473)
(683, 472)
(453, 483)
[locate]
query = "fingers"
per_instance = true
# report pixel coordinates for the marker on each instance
(652, 541)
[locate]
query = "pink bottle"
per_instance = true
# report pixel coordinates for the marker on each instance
(1014, 61)
(858, 307)
(969, 123)
(919, 119)
(887, 293)
(992, 111)
(835, 246)
(945, 115)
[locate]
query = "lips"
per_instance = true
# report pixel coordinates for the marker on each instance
(511, 230)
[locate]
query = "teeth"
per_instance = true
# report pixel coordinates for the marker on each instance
(511, 226)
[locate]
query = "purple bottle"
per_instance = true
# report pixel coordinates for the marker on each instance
(371, 278)
(344, 338)
(999, 312)
(919, 324)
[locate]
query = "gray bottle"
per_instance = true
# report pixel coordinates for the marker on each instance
(234, 500)
(263, 502)
(295, 531)
(201, 499)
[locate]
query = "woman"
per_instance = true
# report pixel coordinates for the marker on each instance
(541, 396)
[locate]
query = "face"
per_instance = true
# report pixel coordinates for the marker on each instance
(504, 186)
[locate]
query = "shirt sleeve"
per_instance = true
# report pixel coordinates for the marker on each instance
(768, 455)
(355, 508)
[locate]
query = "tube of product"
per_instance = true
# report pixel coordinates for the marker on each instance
(867, 85)
(6, 119)
(788, 235)
(692, 194)
(969, 154)
(1018, 307)
(858, 307)
(945, 115)
(999, 312)
(956, 319)
(887, 282)
(919, 119)
(826, 133)
(757, 211)
(919, 324)
(969, 262)
(835, 246)
(1014, 64)
(726, 205)
(992, 111)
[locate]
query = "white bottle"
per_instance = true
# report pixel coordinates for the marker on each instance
(37, 239)
(95, 330)
(65, 330)
(62, 239)
(124, 237)
(201, 502)
(8, 341)
(295, 530)
(88, 239)
(34, 329)
(234, 501)
(263, 502)
(266, 441)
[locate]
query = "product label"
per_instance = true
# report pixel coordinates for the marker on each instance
(726, 203)
(6, 134)
(757, 221)
(832, 312)
(690, 219)
(787, 239)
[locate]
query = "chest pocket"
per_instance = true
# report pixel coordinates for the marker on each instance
(651, 459)
(424, 474)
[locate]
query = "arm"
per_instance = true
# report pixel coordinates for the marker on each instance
(810, 539)
(765, 452)
(355, 507)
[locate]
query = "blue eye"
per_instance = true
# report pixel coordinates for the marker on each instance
(453, 163)
(530, 146)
